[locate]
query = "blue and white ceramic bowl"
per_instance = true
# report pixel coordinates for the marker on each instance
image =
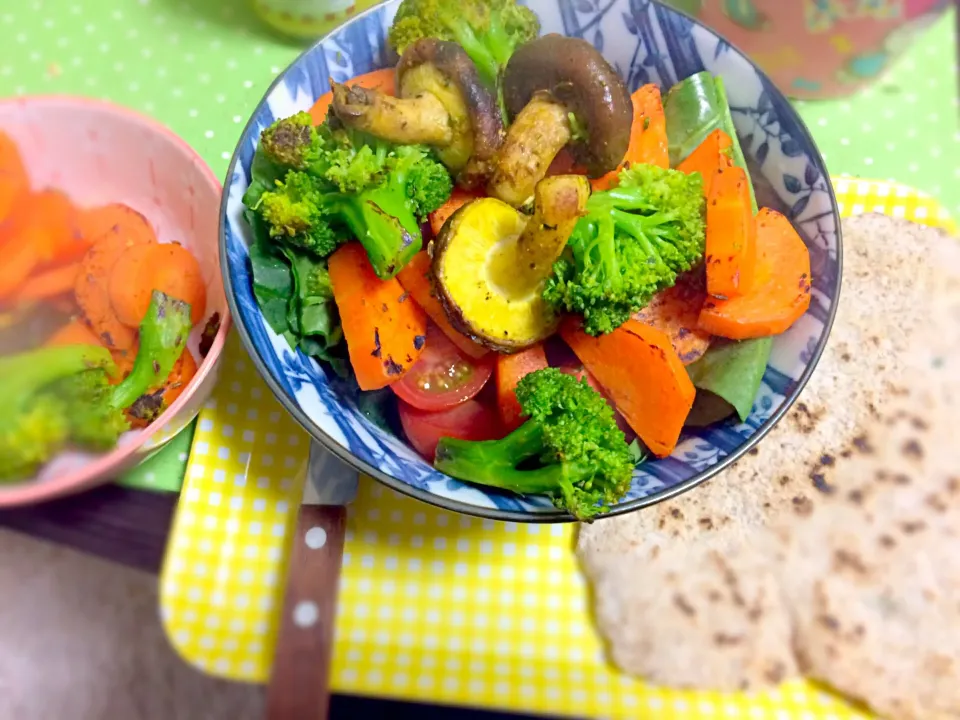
(646, 42)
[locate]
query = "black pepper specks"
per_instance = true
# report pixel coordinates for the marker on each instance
(392, 367)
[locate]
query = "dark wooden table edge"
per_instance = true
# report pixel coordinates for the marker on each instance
(130, 527)
(119, 524)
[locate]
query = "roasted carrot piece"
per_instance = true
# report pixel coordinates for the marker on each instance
(50, 283)
(676, 312)
(51, 226)
(458, 198)
(130, 283)
(780, 293)
(93, 286)
(76, 332)
(36, 233)
(511, 369)
(731, 256)
(415, 279)
(712, 155)
(116, 219)
(384, 80)
(652, 391)
(385, 332)
(183, 372)
(64, 304)
(141, 269)
(14, 181)
(648, 135)
(19, 260)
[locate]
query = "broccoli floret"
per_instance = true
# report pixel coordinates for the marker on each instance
(300, 214)
(37, 433)
(163, 336)
(632, 243)
(62, 395)
(358, 186)
(570, 448)
(488, 30)
(292, 142)
(33, 428)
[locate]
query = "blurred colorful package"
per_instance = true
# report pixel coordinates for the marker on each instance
(307, 19)
(815, 49)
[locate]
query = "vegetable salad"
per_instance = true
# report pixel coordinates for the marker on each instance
(535, 276)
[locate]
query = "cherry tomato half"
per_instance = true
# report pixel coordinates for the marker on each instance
(443, 377)
(470, 420)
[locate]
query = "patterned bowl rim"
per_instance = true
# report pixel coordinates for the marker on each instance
(331, 445)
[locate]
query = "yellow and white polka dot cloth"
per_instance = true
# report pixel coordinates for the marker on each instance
(433, 606)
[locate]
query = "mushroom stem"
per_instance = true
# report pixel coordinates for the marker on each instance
(405, 121)
(539, 132)
(559, 202)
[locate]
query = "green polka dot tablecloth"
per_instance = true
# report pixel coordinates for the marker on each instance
(201, 66)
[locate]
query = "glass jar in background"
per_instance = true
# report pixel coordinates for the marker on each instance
(308, 19)
(817, 49)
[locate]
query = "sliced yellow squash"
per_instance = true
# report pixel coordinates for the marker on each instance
(490, 262)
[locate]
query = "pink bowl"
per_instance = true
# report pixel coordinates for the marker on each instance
(99, 153)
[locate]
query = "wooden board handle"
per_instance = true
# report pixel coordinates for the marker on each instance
(299, 686)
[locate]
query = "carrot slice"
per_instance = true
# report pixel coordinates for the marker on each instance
(458, 198)
(712, 155)
(676, 312)
(64, 304)
(780, 293)
(385, 333)
(183, 372)
(648, 135)
(93, 284)
(19, 260)
(511, 369)
(50, 283)
(168, 267)
(384, 80)
(116, 219)
(129, 283)
(415, 279)
(14, 181)
(76, 332)
(652, 391)
(36, 233)
(731, 255)
(52, 226)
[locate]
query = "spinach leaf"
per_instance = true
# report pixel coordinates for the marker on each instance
(312, 313)
(318, 311)
(694, 108)
(272, 278)
(264, 174)
(708, 409)
(638, 451)
(315, 308)
(733, 372)
(293, 289)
